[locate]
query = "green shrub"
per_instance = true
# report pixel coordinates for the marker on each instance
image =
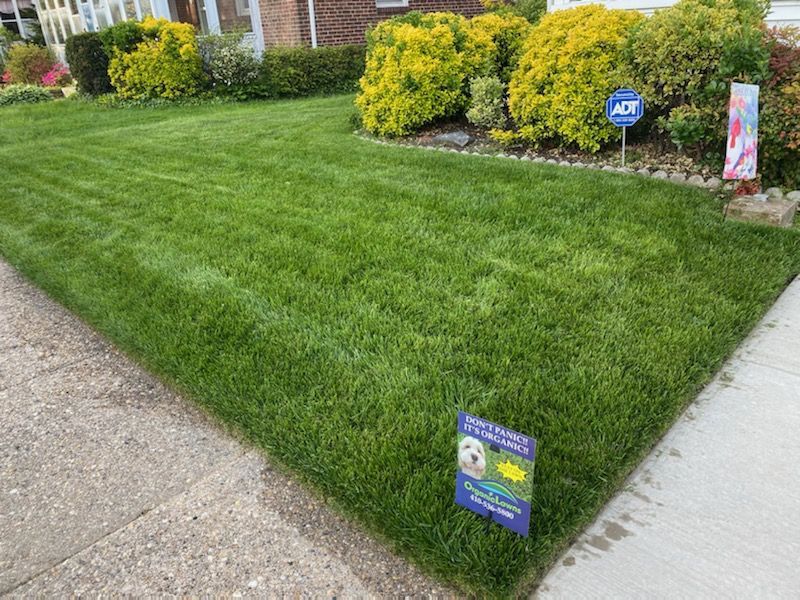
(27, 63)
(533, 10)
(572, 63)
(7, 38)
(122, 37)
(486, 103)
(295, 72)
(165, 64)
(229, 63)
(499, 39)
(23, 93)
(779, 121)
(684, 58)
(88, 63)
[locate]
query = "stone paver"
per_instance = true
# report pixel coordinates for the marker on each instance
(753, 210)
(713, 511)
(111, 483)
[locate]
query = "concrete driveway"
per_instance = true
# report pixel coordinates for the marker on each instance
(112, 483)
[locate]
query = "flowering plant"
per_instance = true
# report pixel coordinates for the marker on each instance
(6, 78)
(229, 62)
(58, 75)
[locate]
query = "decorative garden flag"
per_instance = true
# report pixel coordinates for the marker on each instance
(742, 147)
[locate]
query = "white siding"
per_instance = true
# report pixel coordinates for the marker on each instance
(783, 12)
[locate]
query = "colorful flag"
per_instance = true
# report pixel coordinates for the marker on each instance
(742, 147)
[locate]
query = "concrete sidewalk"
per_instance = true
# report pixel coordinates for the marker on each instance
(714, 511)
(110, 483)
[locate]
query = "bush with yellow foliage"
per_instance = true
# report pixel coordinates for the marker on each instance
(573, 61)
(419, 66)
(165, 64)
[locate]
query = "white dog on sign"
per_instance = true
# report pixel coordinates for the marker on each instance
(471, 457)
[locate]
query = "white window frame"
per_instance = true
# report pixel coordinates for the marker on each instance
(391, 3)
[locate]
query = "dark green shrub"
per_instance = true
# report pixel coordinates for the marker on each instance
(88, 63)
(23, 93)
(294, 72)
(533, 10)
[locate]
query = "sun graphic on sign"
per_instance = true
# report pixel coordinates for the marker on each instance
(511, 471)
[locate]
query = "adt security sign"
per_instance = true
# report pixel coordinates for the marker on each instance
(623, 109)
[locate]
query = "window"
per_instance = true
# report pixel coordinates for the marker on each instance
(391, 3)
(234, 15)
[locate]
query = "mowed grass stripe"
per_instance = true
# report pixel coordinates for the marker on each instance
(339, 301)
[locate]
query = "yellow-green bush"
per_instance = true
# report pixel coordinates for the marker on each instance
(419, 66)
(415, 72)
(166, 64)
(572, 62)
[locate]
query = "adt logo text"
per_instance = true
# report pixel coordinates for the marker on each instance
(624, 108)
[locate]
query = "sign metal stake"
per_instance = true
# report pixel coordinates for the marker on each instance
(623, 145)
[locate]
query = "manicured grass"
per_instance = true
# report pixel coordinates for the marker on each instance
(339, 301)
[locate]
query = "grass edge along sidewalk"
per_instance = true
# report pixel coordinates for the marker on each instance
(339, 301)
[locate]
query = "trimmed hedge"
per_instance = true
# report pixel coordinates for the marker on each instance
(294, 72)
(88, 63)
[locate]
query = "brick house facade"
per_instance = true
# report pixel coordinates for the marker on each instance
(264, 23)
(287, 23)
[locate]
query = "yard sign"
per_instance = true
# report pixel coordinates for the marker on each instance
(623, 108)
(495, 472)
(741, 153)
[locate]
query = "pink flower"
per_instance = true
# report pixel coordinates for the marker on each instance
(6, 77)
(57, 75)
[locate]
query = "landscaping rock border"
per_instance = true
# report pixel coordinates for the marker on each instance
(694, 180)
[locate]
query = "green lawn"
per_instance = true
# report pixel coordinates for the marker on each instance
(339, 301)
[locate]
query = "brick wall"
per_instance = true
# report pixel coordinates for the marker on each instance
(285, 22)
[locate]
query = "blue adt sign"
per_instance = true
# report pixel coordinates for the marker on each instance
(495, 472)
(624, 107)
